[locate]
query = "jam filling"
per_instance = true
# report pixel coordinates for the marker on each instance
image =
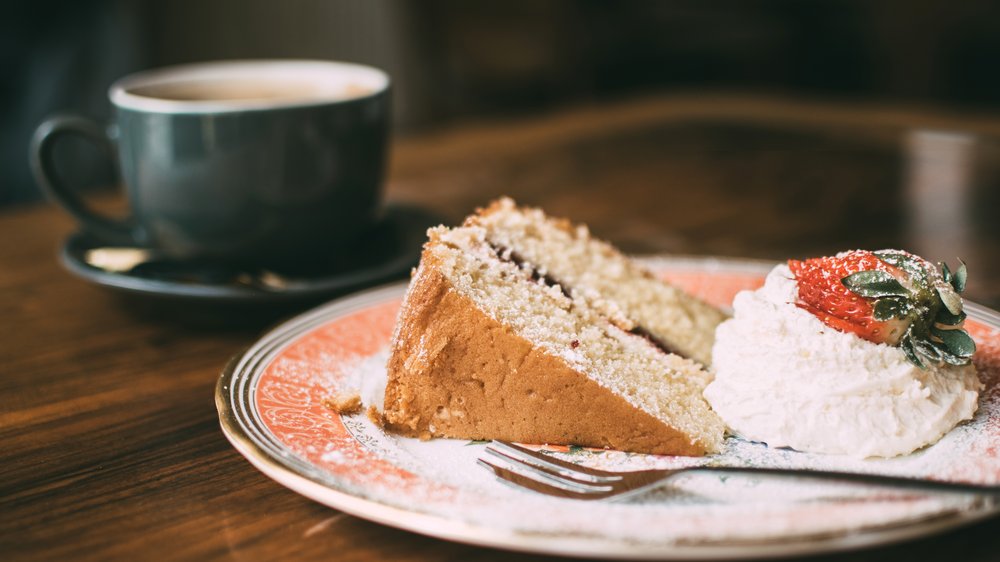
(510, 256)
(657, 342)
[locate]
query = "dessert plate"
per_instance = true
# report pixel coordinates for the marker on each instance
(270, 402)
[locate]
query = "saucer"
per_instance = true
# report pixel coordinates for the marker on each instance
(388, 252)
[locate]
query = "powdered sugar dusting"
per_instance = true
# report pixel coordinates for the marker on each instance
(440, 478)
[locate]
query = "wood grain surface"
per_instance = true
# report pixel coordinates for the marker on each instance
(111, 447)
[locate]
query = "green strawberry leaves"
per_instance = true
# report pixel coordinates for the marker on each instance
(949, 298)
(906, 344)
(944, 316)
(927, 349)
(874, 284)
(956, 341)
(929, 300)
(888, 308)
(957, 279)
(908, 263)
(952, 284)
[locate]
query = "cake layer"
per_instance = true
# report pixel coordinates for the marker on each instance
(485, 349)
(623, 290)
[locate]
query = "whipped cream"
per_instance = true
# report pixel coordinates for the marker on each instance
(785, 378)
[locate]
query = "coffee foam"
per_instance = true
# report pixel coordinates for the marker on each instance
(241, 85)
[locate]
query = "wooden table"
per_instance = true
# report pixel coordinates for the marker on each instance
(111, 447)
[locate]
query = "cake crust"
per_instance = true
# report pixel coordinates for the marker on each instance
(449, 358)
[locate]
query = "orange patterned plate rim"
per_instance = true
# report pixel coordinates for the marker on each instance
(270, 397)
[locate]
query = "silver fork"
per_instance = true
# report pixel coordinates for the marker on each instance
(542, 473)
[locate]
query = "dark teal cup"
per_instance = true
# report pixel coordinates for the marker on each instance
(263, 163)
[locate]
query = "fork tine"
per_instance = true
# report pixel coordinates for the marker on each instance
(556, 470)
(545, 475)
(553, 464)
(552, 486)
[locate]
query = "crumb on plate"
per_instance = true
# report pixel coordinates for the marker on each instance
(375, 416)
(344, 403)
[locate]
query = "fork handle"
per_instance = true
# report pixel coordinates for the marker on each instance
(861, 478)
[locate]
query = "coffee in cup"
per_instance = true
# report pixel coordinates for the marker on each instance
(262, 163)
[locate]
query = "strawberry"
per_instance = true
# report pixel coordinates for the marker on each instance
(822, 293)
(889, 297)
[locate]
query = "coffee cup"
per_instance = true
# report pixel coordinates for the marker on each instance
(265, 163)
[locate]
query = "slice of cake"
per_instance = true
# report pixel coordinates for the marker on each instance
(621, 289)
(523, 328)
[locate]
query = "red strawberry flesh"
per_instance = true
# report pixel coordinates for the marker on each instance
(822, 293)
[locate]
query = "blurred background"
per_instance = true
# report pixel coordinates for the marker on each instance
(763, 128)
(455, 61)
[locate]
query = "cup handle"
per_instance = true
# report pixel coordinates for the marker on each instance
(110, 230)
